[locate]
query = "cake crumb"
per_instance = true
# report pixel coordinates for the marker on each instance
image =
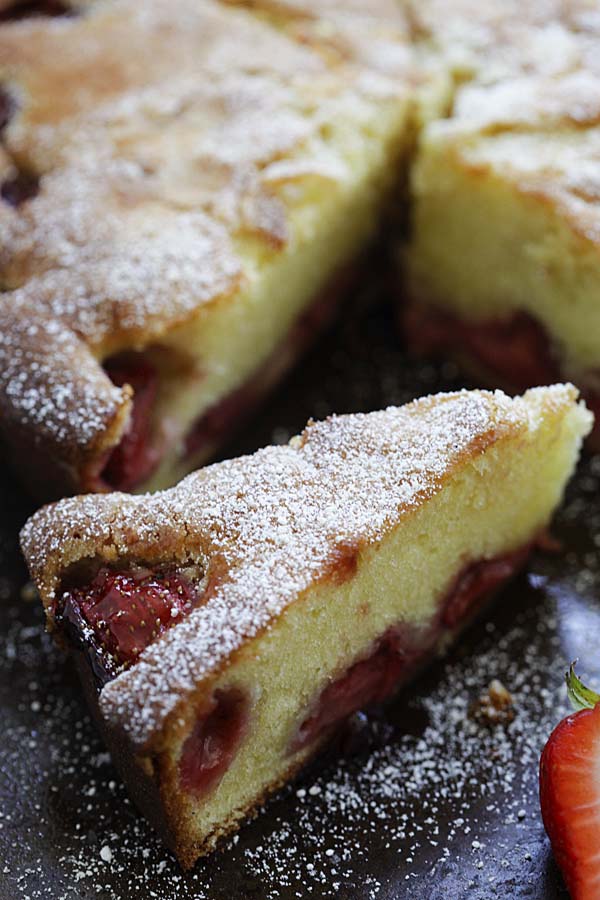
(495, 705)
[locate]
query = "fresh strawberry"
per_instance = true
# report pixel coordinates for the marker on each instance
(135, 458)
(570, 792)
(120, 613)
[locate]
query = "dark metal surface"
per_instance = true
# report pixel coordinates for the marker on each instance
(422, 802)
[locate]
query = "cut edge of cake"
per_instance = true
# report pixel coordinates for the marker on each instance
(502, 265)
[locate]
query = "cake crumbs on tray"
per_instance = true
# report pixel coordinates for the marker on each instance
(494, 705)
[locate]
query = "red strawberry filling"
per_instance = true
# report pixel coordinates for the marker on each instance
(478, 580)
(515, 352)
(22, 9)
(368, 681)
(214, 425)
(119, 614)
(140, 451)
(399, 651)
(210, 748)
(136, 457)
(19, 188)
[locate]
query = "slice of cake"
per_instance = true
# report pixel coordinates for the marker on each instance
(193, 213)
(223, 628)
(503, 266)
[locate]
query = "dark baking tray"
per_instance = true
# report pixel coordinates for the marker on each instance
(420, 801)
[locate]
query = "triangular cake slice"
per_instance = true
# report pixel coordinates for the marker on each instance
(224, 627)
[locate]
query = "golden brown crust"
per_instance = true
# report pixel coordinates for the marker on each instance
(540, 136)
(194, 127)
(266, 527)
(115, 52)
(374, 35)
(97, 252)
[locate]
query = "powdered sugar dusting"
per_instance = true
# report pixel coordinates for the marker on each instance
(52, 402)
(189, 145)
(140, 268)
(266, 527)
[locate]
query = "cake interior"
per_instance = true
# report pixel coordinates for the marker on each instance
(353, 637)
(498, 270)
(534, 322)
(239, 346)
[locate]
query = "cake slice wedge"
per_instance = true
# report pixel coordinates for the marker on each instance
(224, 627)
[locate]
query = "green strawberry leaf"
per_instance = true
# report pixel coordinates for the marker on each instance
(580, 696)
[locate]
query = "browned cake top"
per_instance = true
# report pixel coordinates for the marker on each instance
(539, 134)
(157, 154)
(166, 157)
(268, 526)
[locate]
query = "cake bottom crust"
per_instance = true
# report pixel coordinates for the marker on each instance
(514, 353)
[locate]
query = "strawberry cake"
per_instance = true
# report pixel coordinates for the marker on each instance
(175, 231)
(223, 628)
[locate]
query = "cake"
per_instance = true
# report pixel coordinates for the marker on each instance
(178, 228)
(503, 265)
(225, 627)
(175, 230)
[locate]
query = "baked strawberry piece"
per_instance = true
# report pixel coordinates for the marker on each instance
(136, 456)
(570, 792)
(118, 614)
(225, 628)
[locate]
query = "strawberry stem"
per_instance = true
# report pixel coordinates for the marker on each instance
(580, 696)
